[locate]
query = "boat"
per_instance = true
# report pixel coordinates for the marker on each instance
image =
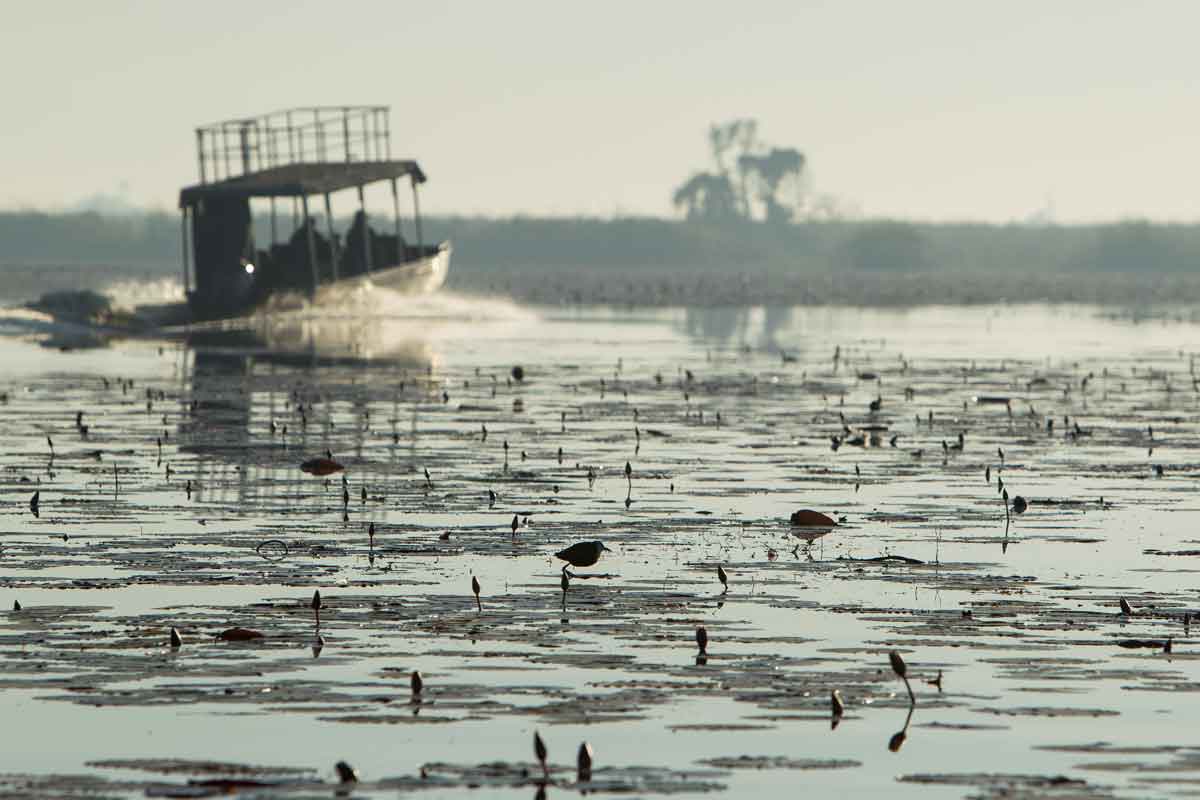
(259, 172)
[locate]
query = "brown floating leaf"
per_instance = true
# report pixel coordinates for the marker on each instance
(811, 519)
(239, 635)
(321, 466)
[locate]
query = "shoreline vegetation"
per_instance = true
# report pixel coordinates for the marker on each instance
(657, 262)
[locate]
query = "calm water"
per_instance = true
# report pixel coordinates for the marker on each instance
(1032, 678)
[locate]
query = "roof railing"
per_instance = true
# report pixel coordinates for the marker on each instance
(311, 134)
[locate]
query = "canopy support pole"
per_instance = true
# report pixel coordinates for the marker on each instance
(332, 236)
(400, 254)
(312, 249)
(417, 215)
(366, 231)
(187, 279)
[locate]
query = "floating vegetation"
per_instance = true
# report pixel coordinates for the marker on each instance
(172, 560)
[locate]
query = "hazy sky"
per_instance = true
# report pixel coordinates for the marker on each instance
(922, 109)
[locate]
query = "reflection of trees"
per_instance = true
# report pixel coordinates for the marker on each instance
(717, 324)
(722, 325)
(775, 319)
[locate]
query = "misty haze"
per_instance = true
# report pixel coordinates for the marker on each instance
(547, 400)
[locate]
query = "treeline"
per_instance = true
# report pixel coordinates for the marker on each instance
(647, 244)
(35, 237)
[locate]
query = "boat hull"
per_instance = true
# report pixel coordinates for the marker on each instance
(418, 276)
(422, 275)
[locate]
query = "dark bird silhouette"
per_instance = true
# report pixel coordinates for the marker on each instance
(702, 640)
(417, 684)
(35, 503)
(475, 589)
(1126, 609)
(582, 554)
(176, 639)
(723, 578)
(515, 524)
(316, 606)
(1019, 504)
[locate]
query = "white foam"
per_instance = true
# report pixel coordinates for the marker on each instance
(374, 301)
(127, 295)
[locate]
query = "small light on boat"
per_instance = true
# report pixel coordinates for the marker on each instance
(249, 268)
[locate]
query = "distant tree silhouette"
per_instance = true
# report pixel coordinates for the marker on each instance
(708, 197)
(761, 176)
(769, 172)
(739, 133)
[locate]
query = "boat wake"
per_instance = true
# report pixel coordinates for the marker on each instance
(361, 321)
(129, 295)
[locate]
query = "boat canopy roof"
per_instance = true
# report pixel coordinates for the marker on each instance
(296, 152)
(300, 179)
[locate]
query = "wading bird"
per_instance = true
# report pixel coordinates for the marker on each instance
(723, 578)
(475, 589)
(582, 554)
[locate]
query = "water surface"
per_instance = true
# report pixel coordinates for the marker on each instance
(727, 417)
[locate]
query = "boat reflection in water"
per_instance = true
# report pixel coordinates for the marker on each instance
(348, 329)
(262, 391)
